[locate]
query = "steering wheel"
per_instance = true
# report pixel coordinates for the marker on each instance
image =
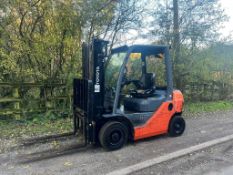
(137, 83)
(133, 91)
(125, 81)
(149, 91)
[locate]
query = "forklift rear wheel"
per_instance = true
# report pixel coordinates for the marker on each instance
(113, 135)
(176, 126)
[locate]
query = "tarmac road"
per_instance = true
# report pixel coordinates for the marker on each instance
(216, 160)
(64, 157)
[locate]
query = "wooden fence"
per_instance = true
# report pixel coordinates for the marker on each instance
(210, 91)
(20, 100)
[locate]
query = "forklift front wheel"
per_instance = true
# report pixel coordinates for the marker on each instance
(113, 135)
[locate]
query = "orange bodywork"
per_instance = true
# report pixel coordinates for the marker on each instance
(159, 121)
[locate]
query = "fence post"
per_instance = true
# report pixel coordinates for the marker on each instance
(17, 103)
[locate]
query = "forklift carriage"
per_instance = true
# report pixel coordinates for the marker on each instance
(111, 106)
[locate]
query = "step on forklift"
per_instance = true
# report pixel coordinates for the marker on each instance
(126, 95)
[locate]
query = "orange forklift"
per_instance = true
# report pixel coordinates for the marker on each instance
(126, 95)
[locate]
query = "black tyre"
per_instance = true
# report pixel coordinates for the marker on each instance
(113, 135)
(176, 126)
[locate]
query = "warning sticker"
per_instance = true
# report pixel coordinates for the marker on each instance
(97, 88)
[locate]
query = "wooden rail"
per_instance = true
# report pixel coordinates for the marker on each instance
(22, 99)
(209, 91)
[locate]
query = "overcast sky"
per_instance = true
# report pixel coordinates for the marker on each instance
(228, 6)
(227, 30)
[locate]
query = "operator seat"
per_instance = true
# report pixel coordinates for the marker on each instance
(145, 99)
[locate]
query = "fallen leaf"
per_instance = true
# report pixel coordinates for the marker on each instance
(26, 166)
(68, 163)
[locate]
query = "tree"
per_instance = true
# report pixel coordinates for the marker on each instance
(41, 40)
(198, 26)
(108, 19)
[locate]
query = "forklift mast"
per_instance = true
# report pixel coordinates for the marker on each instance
(88, 101)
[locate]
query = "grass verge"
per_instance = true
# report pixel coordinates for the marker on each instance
(199, 107)
(22, 129)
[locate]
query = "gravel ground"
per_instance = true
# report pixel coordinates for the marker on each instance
(64, 157)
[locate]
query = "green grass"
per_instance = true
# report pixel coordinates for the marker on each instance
(199, 107)
(34, 127)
